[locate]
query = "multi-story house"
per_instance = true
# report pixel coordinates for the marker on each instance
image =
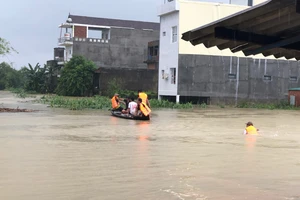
(114, 45)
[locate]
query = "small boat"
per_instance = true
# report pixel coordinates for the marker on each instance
(128, 116)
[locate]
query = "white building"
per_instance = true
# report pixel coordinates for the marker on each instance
(177, 17)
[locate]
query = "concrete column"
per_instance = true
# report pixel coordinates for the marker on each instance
(177, 98)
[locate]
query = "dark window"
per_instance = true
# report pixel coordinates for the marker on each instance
(267, 78)
(293, 78)
(231, 76)
(173, 75)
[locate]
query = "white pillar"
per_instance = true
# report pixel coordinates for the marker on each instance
(177, 98)
(159, 97)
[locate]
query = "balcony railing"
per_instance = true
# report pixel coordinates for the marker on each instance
(65, 41)
(151, 59)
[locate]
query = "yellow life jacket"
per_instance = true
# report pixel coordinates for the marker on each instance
(145, 109)
(143, 96)
(251, 130)
(114, 103)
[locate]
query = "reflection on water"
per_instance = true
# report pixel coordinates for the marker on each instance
(179, 154)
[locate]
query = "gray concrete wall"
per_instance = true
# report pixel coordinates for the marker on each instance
(208, 76)
(127, 48)
(128, 79)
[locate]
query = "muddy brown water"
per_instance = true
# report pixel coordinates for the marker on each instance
(179, 154)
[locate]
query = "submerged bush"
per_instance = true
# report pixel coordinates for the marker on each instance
(271, 106)
(77, 103)
(100, 102)
(167, 104)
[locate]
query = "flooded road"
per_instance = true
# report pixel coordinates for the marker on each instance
(179, 154)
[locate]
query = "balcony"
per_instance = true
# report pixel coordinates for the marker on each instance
(65, 41)
(168, 7)
(151, 59)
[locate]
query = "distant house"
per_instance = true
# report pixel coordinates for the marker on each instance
(110, 43)
(115, 46)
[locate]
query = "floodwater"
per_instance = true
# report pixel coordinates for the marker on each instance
(179, 154)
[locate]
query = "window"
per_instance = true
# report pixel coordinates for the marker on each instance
(163, 74)
(164, 33)
(156, 51)
(174, 34)
(98, 33)
(232, 76)
(267, 78)
(173, 75)
(293, 78)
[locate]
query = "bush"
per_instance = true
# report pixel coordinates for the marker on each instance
(76, 77)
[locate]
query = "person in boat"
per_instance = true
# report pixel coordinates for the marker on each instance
(115, 103)
(143, 110)
(144, 97)
(132, 107)
(126, 101)
(250, 129)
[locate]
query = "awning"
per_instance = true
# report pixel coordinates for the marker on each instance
(270, 28)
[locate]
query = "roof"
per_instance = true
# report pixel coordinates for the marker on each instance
(114, 22)
(270, 28)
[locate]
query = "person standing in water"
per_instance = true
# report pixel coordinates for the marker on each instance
(144, 97)
(250, 129)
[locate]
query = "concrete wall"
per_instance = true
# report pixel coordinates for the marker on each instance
(208, 76)
(168, 53)
(129, 79)
(127, 48)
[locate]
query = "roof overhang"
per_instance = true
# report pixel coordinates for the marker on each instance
(270, 28)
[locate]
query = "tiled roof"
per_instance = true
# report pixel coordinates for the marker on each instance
(114, 22)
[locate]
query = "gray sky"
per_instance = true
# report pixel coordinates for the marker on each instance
(31, 26)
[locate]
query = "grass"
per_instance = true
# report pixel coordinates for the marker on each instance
(77, 103)
(282, 105)
(167, 104)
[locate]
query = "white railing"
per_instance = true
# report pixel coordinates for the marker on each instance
(168, 7)
(63, 40)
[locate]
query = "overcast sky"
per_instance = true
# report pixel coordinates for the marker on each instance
(31, 26)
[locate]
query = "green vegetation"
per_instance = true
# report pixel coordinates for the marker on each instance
(99, 102)
(9, 77)
(35, 78)
(284, 105)
(76, 77)
(5, 47)
(76, 103)
(167, 104)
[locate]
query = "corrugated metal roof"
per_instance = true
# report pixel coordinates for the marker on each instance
(114, 22)
(270, 28)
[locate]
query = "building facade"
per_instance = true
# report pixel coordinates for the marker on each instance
(109, 43)
(118, 47)
(211, 75)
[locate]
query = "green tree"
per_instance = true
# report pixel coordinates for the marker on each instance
(9, 77)
(35, 78)
(52, 70)
(5, 47)
(76, 77)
